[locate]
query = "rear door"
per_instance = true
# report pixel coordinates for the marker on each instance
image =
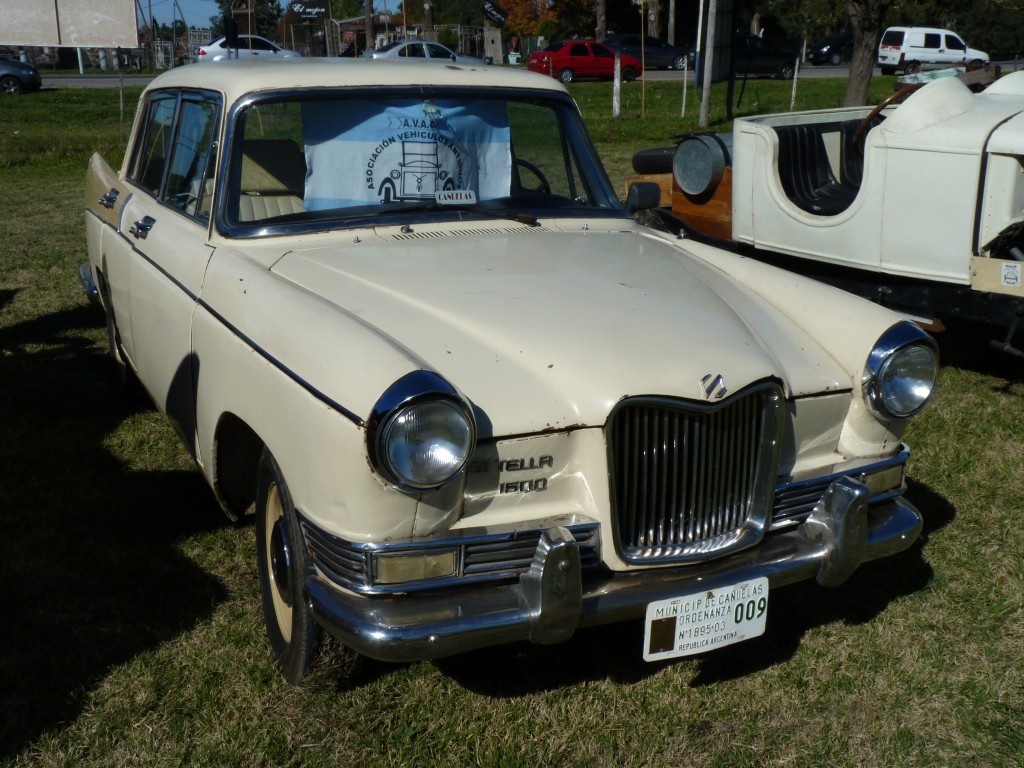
(603, 61)
(580, 60)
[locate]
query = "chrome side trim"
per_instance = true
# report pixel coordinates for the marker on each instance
(89, 283)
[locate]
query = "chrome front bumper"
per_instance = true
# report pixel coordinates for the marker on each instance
(551, 600)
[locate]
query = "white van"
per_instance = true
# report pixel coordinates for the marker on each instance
(911, 48)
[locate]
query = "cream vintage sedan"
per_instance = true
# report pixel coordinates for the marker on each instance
(401, 317)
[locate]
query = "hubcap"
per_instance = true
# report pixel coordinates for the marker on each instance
(281, 562)
(278, 562)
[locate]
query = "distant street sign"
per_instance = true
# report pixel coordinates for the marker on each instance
(309, 10)
(494, 12)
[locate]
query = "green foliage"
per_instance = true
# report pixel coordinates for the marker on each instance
(448, 37)
(267, 16)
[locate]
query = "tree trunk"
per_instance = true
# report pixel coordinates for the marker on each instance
(369, 25)
(601, 26)
(866, 24)
(654, 18)
(428, 21)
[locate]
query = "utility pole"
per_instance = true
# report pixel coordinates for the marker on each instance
(709, 65)
(152, 38)
(369, 24)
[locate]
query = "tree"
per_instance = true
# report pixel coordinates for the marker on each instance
(526, 16)
(866, 17)
(266, 17)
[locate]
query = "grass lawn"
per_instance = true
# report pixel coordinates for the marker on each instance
(132, 626)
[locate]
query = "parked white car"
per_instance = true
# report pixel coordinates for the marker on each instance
(420, 50)
(400, 315)
(249, 46)
(914, 205)
(909, 49)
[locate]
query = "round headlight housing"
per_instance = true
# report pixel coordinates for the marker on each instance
(421, 433)
(425, 444)
(901, 372)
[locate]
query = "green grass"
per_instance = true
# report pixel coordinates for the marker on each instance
(130, 607)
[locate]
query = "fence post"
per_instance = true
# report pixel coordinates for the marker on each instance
(617, 87)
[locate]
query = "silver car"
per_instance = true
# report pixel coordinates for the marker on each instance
(248, 45)
(420, 49)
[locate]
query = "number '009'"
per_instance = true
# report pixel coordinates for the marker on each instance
(750, 610)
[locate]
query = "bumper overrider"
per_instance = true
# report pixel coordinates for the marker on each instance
(553, 597)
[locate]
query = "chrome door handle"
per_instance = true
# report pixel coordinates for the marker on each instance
(108, 200)
(141, 227)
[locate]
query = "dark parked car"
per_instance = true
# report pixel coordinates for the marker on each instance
(835, 50)
(754, 56)
(16, 76)
(655, 53)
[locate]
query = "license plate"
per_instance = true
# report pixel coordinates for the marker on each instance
(705, 621)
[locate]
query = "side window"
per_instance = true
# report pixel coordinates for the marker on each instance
(435, 51)
(154, 144)
(578, 49)
(601, 52)
(259, 44)
(191, 159)
(932, 40)
(954, 43)
(538, 143)
(174, 155)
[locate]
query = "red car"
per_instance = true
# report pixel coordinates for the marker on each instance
(571, 59)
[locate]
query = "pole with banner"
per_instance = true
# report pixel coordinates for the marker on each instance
(494, 19)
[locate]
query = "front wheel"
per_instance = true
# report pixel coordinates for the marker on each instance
(785, 71)
(10, 85)
(835, 59)
(283, 566)
(565, 75)
(628, 74)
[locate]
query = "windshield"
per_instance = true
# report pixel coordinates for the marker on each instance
(314, 162)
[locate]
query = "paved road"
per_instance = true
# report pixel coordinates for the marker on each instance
(111, 81)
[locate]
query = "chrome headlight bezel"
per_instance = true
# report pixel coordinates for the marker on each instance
(419, 391)
(894, 346)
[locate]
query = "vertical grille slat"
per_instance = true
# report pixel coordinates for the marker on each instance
(691, 480)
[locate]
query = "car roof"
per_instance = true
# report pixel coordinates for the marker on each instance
(240, 77)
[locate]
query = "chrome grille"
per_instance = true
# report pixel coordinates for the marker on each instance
(690, 480)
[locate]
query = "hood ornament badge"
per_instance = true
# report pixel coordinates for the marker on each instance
(713, 386)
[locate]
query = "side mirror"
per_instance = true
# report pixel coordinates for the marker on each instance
(642, 196)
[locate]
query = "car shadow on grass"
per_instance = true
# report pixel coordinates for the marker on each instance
(615, 652)
(88, 560)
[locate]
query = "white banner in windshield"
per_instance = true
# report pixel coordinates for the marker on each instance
(365, 152)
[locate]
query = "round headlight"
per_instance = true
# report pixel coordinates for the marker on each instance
(907, 379)
(427, 443)
(901, 372)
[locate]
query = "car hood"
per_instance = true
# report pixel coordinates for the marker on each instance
(548, 330)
